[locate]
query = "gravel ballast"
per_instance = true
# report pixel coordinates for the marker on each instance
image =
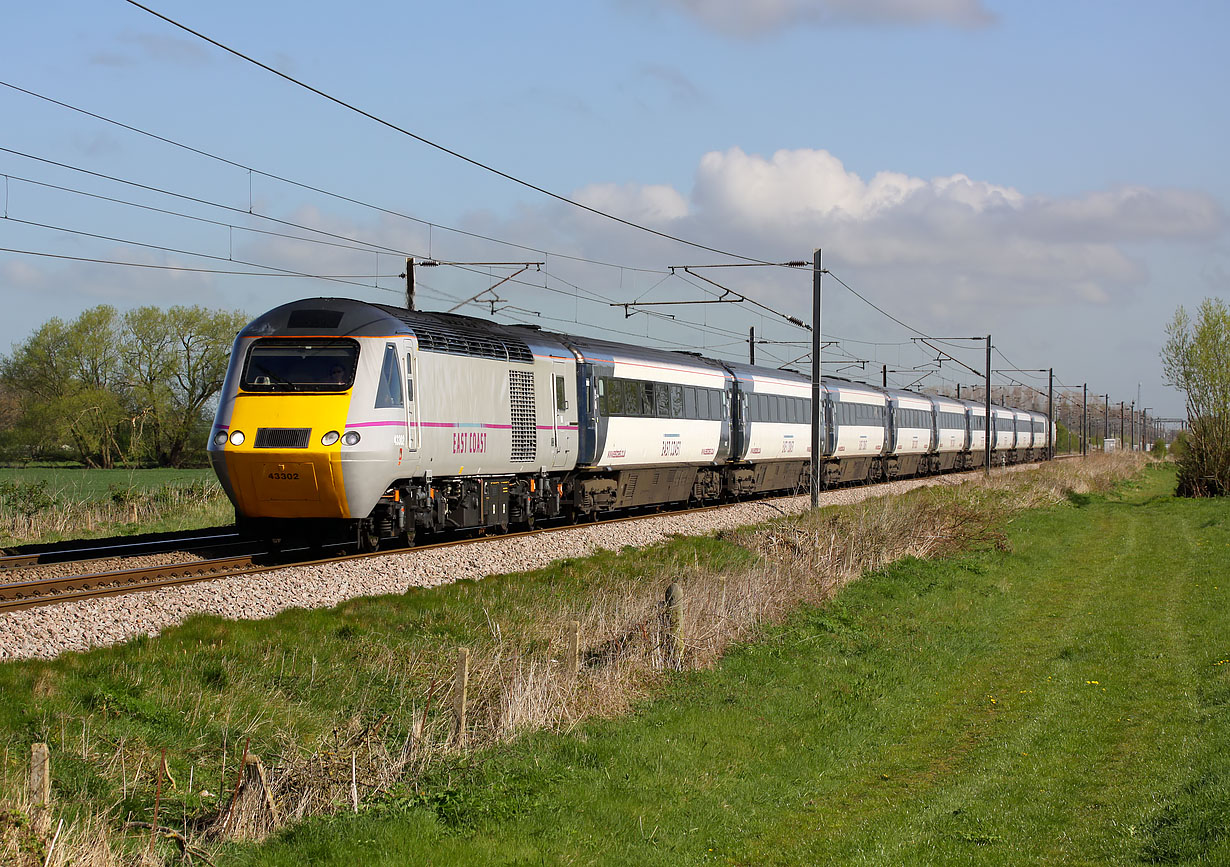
(51, 630)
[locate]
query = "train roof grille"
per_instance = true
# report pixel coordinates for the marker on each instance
(436, 339)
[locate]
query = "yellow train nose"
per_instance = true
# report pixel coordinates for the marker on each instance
(281, 468)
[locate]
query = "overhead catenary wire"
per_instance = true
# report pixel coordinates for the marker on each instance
(453, 153)
(273, 268)
(182, 267)
(430, 224)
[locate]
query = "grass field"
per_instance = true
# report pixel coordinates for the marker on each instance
(1059, 696)
(45, 504)
(72, 483)
(1065, 703)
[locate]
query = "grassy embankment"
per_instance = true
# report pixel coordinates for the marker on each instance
(1054, 696)
(39, 505)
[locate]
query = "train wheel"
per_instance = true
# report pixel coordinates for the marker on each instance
(366, 539)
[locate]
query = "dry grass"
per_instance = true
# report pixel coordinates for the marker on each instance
(37, 513)
(31, 835)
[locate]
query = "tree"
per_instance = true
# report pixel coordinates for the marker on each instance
(68, 377)
(176, 360)
(1196, 360)
(106, 388)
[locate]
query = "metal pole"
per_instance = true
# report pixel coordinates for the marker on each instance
(1132, 416)
(1085, 419)
(1105, 422)
(1121, 430)
(987, 449)
(751, 345)
(884, 377)
(817, 398)
(1050, 413)
(410, 283)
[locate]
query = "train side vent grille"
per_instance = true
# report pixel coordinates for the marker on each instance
(524, 419)
(282, 437)
(456, 342)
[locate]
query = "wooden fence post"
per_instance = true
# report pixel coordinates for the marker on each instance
(40, 775)
(574, 648)
(674, 625)
(460, 685)
(40, 787)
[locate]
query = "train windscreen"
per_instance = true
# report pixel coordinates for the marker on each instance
(278, 365)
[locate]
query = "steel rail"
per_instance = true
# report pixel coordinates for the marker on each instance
(18, 596)
(10, 562)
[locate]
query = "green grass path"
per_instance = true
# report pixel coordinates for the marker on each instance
(1062, 703)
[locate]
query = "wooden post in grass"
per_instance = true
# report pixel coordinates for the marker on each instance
(40, 775)
(460, 684)
(574, 647)
(40, 787)
(674, 625)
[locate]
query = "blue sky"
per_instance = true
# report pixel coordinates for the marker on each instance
(1047, 172)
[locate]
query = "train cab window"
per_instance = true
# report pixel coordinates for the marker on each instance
(278, 365)
(388, 388)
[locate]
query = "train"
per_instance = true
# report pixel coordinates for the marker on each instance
(346, 421)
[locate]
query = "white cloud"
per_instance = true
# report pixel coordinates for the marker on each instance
(757, 17)
(937, 244)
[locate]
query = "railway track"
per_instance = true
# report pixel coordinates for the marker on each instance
(111, 550)
(18, 595)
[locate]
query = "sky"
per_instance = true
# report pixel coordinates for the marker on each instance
(1050, 173)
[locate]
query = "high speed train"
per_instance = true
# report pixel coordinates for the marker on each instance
(341, 420)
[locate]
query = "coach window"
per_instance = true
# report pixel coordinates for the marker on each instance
(676, 401)
(644, 393)
(662, 400)
(689, 402)
(388, 391)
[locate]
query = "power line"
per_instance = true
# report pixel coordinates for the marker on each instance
(865, 300)
(281, 271)
(478, 164)
(366, 248)
(273, 273)
(312, 188)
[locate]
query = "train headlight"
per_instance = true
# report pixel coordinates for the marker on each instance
(350, 438)
(329, 439)
(237, 438)
(220, 438)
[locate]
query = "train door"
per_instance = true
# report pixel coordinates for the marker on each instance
(412, 399)
(564, 415)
